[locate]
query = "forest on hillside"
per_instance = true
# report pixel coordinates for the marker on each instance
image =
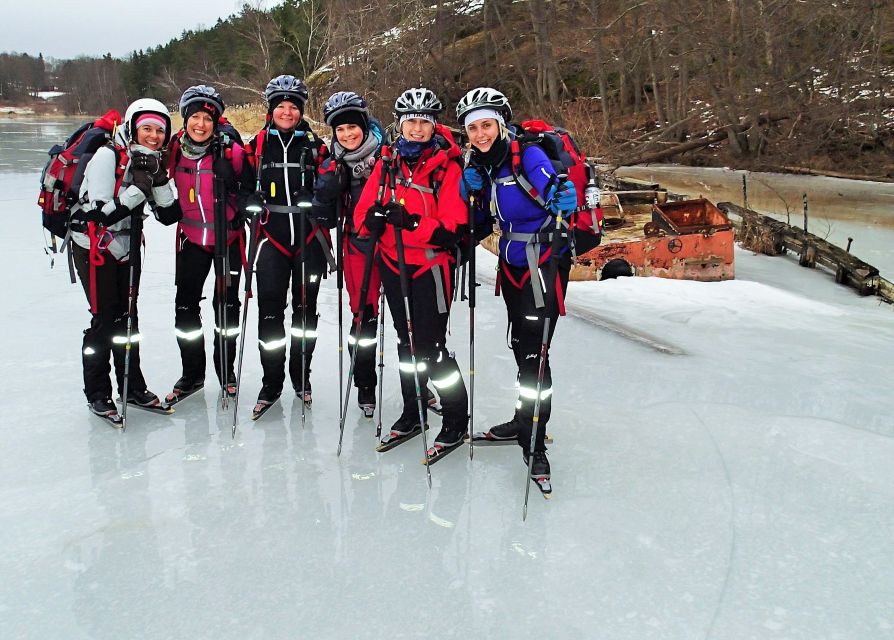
(751, 83)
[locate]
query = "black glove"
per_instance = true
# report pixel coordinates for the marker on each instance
(154, 166)
(223, 169)
(375, 220)
(142, 179)
(169, 215)
(254, 203)
(329, 187)
(400, 217)
(441, 237)
(79, 219)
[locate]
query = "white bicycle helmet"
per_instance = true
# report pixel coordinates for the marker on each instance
(483, 98)
(138, 107)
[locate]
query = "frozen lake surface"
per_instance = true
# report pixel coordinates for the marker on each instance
(723, 468)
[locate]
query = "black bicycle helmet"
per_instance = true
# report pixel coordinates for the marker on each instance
(343, 101)
(285, 87)
(201, 93)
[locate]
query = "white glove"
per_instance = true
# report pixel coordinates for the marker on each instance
(163, 195)
(131, 198)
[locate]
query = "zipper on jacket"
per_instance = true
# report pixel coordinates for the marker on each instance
(199, 199)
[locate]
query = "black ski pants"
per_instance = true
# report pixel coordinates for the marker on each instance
(275, 271)
(365, 342)
(106, 337)
(433, 361)
(525, 332)
(193, 265)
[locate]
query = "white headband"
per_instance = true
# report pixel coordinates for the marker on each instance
(481, 114)
(421, 116)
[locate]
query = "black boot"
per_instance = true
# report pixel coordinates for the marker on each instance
(184, 387)
(103, 407)
(406, 424)
(296, 383)
(505, 431)
(142, 398)
(451, 436)
(540, 466)
(366, 400)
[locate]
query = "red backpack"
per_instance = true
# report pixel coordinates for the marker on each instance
(60, 182)
(566, 157)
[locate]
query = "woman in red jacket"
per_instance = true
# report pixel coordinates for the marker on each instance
(414, 191)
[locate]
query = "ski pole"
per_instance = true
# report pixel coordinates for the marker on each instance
(364, 291)
(222, 280)
(552, 269)
(405, 293)
(339, 280)
(303, 203)
(472, 285)
(253, 225)
(136, 230)
(381, 359)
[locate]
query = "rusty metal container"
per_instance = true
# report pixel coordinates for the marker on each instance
(690, 216)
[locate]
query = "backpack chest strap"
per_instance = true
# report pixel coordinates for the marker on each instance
(411, 185)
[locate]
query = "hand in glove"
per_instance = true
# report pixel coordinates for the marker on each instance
(223, 170)
(79, 219)
(330, 186)
(471, 181)
(153, 165)
(562, 198)
(375, 220)
(400, 217)
(142, 180)
(254, 204)
(441, 237)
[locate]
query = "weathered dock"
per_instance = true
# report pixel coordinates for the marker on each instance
(769, 236)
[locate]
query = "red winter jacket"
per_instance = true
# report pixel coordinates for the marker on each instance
(445, 209)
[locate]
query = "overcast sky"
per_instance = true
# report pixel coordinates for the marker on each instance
(69, 28)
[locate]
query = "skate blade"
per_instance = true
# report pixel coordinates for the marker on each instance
(480, 437)
(261, 408)
(439, 452)
(544, 484)
(392, 442)
(159, 408)
(113, 419)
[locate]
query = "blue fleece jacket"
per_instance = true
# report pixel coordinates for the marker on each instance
(515, 210)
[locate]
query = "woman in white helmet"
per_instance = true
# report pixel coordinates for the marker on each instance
(412, 197)
(119, 181)
(491, 181)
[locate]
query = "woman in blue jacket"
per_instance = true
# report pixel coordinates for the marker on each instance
(527, 228)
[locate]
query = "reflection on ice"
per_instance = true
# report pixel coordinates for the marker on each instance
(740, 488)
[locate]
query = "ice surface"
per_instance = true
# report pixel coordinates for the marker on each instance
(739, 489)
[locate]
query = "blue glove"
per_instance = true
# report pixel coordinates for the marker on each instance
(562, 198)
(471, 181)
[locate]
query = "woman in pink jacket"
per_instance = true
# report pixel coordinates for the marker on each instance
(209, 168)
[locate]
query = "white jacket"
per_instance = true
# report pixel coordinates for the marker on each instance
(98, 192)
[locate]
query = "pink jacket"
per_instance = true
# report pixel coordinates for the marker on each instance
(195, 189)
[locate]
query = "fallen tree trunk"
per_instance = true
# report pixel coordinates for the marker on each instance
(807, 171)
(702, 141)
